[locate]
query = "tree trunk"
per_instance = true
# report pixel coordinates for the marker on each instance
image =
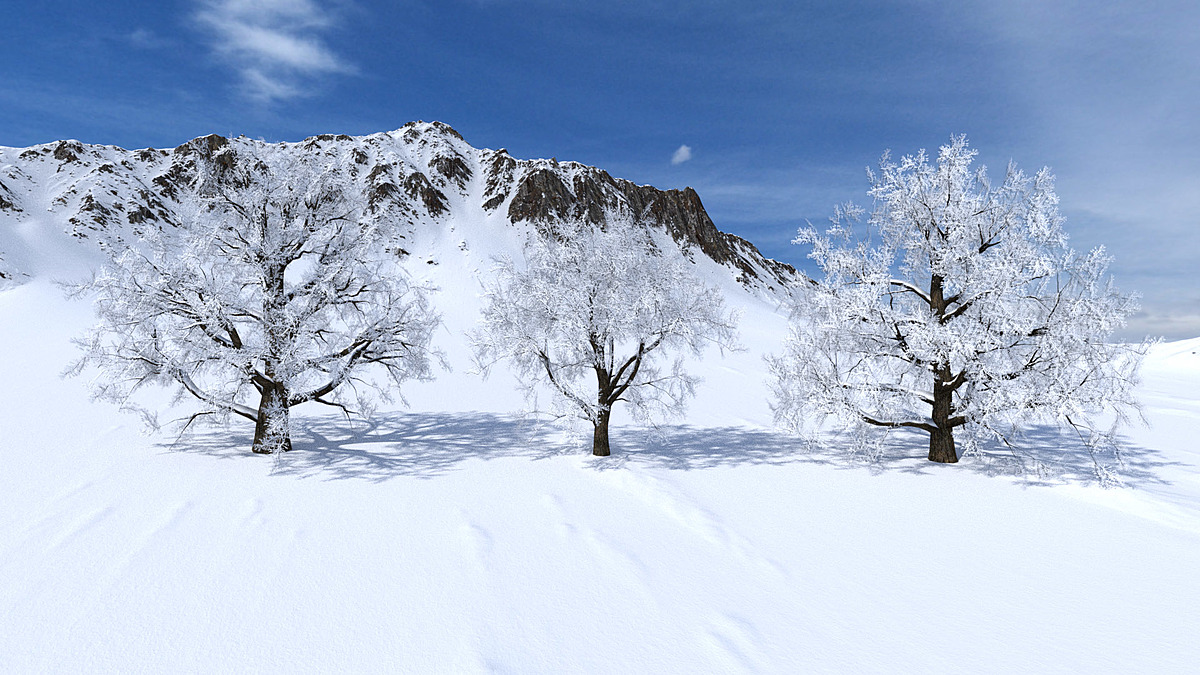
(941, 446)
(600, 437)
(272, 431)
(941, 439)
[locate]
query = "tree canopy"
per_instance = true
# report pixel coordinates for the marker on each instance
(274, 290)
(592, 314)
(961, 307)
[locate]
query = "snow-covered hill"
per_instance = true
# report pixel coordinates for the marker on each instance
(456, 536)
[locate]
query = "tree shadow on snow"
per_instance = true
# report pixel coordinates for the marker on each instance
(431, 444)
(683, 447)
(427, 445)
(422, 445)
(1052, 455)
(1044, 455)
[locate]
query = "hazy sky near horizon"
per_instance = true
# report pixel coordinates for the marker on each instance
(771, 110)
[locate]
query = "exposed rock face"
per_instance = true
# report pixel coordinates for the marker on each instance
(542, 196)
(423, 175)
(500, 170)
(67, 151)
(8, 201)
(417, 186)
(454, 168)
(594, 196)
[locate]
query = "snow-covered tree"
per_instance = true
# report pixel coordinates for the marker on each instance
(592, 314)
(273, 290)
(964, 309)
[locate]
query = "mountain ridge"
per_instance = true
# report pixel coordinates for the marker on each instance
(425, 173)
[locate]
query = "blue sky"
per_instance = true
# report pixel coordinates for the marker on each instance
(781, 105)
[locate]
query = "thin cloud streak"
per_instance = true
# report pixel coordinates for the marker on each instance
(275, 45)
(144, 38)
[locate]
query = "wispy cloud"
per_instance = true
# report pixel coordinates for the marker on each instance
(144, 38)
(275, 45)
(683, 154)
(1113, 90)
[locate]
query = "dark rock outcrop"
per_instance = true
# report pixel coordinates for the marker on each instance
(542, 196)
(417, 186)
(454, 168)
(8, 201)
(67, 151)
(499, 179)
(595, 196)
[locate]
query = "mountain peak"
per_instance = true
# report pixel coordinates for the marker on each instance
(424, 174)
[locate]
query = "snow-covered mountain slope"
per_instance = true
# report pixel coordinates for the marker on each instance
(423, 175)
(453, 535)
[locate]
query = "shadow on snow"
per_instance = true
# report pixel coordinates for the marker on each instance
(423, 445)
(431, 444)
(1044, 455)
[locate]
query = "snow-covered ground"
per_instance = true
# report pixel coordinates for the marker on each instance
(455, 537)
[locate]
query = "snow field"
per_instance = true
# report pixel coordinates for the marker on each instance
(461, 539)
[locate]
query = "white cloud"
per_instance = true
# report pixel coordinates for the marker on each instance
(275, 45)
(683, 154)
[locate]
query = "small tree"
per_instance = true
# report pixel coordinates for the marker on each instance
(968, 311)
(273, 291)
(603, 304)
